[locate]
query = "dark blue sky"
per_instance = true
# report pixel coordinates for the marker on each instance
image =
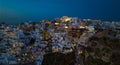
(14, 11)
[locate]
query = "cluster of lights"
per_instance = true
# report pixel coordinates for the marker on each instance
(80, 52)
(26, 59)
(67, 19)
(25, 54)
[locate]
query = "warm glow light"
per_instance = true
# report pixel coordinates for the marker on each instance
(32, 57)
(13, 45)
(27, 59)
(66, 26)
(25, 54)
(11, 34)
(82, 27)
(91, 29)
(61, 38)
(19, 59)
(30, 47)
(80, 52)
(56, 23)
(70, 50)
(74, 44)
(67, 19)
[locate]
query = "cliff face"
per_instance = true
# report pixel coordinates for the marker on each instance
(103, 49)
(59, 59)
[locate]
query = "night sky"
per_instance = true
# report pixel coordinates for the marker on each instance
(15, 11)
